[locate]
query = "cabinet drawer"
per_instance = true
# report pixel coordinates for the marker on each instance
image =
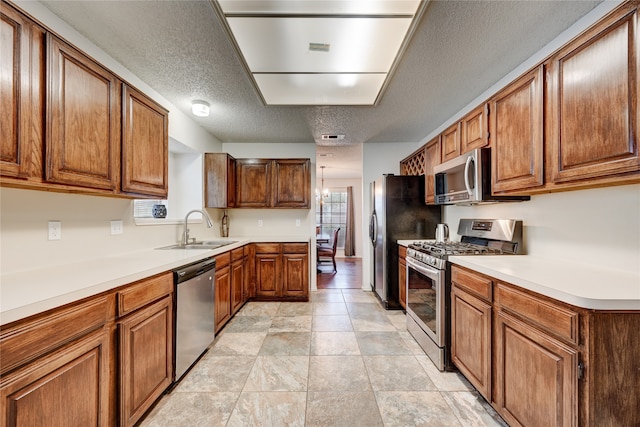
(237, 254)
(268, 248)
(32, 339)
(472, 282)
(551, 317)
(144, 292)
(223, 260)
(294, 248)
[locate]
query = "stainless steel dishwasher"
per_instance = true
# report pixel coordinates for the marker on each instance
(194, 312)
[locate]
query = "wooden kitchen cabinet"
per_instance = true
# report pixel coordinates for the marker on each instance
(292, 183)
(474, 129)
(145, 145)
(249, 271)
(550, 363)
(517, 132)
(222, 305)
(253, 183)
(273, 183)
(433, 157)
(295, 270)
(146, 358)
(282, 271)
(83, 120)
(402, 276)
(237, 280)
(55, 368)
(471, 326)
(536, 376)
(219, 180)
(145, 331)
(21, 62)
(592, 116)
(450, 142)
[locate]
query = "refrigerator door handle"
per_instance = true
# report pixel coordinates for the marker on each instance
(374, 228)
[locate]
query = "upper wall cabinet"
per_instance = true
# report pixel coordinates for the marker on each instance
(474, 129)
(432, 159)
(414, 163)
(219, 180)
(517, 135)
(64, 124)
(145, 145)
(253, 183)
(273, 183)
(450, 140)
(21, 43)
(83, 120)
(593, 119)
(291, 183)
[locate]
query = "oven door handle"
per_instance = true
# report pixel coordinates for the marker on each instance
(422, 268)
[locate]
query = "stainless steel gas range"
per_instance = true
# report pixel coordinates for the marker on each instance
(429, 279)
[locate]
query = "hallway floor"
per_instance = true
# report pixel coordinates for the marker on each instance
(338, 360)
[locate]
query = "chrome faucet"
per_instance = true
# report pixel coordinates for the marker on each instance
(185, 236)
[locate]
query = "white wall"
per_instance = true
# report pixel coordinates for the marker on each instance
(599, 225)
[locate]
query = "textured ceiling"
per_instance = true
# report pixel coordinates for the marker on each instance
(460, 49)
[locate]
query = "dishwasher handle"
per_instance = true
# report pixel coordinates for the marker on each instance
(192, 270)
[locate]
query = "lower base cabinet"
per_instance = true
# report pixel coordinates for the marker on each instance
(282, 271)
(402, 276)
(542, 362)
(69, 387)
(146, 358)
(536, 376)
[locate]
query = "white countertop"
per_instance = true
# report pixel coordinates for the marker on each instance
(580, 284)
(27, 293)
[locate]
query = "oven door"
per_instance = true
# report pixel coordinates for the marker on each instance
(426, 298)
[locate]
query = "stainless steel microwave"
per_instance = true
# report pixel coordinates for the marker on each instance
(467, 180)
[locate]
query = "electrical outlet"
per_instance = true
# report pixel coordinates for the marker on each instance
(260, 223)
(297, 223)
(55, 230)
(116, 227)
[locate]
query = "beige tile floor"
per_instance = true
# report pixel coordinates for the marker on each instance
(339, 360)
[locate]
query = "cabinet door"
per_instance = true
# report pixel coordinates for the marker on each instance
(268, 273)
(219, 180)
(292, 183)
(69, 387)
(145, 145)
(237, 285)
(471, 339)
(146, 358)
(19, 39)
(253, 183)
(249, 271)
(517, 135)
(83, 120)
(451, 142)
(475, 129)
(536, 376)
(402, 281)
(222, 297)
(594, 91)
(432, 159)
(295, 281)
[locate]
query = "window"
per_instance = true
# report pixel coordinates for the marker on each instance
(331, 213)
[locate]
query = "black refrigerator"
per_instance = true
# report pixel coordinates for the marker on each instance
(398, 212)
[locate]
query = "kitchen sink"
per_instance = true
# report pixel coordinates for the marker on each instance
(206, 244)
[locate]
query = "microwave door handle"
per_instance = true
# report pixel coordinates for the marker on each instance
(466, 175)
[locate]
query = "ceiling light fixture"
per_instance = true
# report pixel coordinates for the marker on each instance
(200, 108)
